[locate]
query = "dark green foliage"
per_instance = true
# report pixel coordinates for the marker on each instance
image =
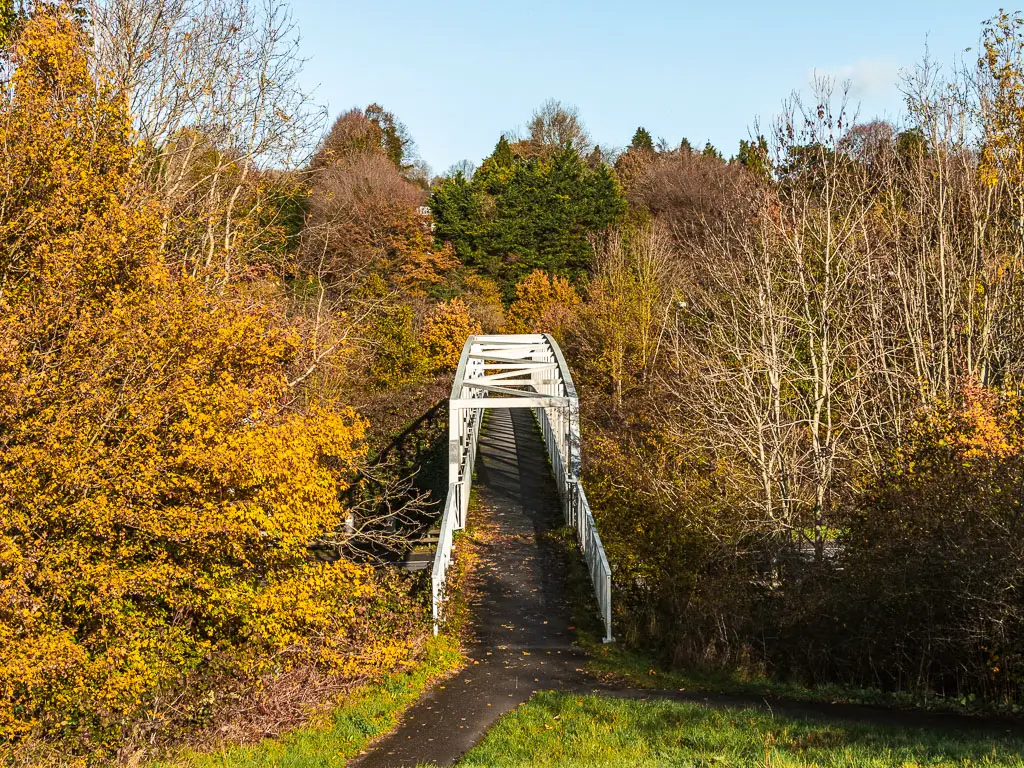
(710, 151)
(502, 156)
(458, 208)
(753, 156)
(519, 214)
(911, 144)
(642, 140)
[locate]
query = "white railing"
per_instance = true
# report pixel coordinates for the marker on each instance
(464, 432)
(519, 371)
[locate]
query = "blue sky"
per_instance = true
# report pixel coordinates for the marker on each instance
(459, 74)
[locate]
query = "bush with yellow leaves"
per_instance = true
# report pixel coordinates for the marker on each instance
(445, 331)
(157, 492)
(544, 303)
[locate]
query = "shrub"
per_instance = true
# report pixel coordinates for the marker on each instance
(929, 592)
(445, 332)
(544, 304)
(156, 491)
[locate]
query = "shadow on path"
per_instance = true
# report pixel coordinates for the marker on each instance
(523, 642)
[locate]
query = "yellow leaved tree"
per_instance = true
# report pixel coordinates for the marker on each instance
(544, 303)
(445, 332)
(156, 492)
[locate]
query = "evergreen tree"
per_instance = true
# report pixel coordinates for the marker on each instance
(642, 140)
(519, 214)
(710, 151)
(503, 157)
(753, 156)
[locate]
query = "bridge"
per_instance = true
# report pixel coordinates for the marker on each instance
(525, 371)
(514, 441)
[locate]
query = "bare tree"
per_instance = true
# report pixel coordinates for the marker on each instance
(558, 125)
(214, 89)
(771, 350)
(466, 167)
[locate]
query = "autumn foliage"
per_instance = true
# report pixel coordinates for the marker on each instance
(544, 304)
(157, 492)
(445, 332)
(943, 524)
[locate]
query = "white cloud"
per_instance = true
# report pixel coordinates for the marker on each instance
(870, 79)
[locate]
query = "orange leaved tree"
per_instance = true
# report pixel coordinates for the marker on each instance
(544, 303)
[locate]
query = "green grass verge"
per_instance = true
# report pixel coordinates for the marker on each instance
(368, 712)
(555, 729)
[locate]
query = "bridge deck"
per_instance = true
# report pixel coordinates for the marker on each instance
(522, 638)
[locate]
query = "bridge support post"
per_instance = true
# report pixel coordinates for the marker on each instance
(455, 426)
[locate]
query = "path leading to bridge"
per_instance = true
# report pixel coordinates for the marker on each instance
(523, 640)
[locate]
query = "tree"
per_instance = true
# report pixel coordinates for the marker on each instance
(158, 485)
(622, 321)
(557, 126)
(394, 136)
(9, 18)
(642, 140)
(352, 133)
(212, 86)
(445, 332)
(466, 167)
(544, 304)
(519, 214)
(942, 522)
(712, 153)
(362, 216)
(753, 156)
(691, 194)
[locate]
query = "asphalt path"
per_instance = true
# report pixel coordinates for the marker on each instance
(523, 642)
(522, 617)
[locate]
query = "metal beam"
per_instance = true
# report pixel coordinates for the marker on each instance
(509, 402)
(479, 384)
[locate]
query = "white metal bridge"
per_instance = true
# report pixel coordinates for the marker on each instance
(518, 371)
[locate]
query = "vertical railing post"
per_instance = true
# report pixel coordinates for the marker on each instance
(455, 457)
(607, 605)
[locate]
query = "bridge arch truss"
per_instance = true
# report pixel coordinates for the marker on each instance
(518, 371)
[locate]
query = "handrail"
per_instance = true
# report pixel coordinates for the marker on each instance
(524, 371)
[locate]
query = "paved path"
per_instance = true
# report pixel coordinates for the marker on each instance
(522, 638)
(523, 642)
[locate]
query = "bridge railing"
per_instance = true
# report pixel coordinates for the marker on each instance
(561, 429)
(518, 371)
(464, 433)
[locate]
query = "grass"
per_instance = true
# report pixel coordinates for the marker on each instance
(366, 713)
(555, 729)
(619, 663)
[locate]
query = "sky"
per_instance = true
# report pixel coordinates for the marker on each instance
(460, 73)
